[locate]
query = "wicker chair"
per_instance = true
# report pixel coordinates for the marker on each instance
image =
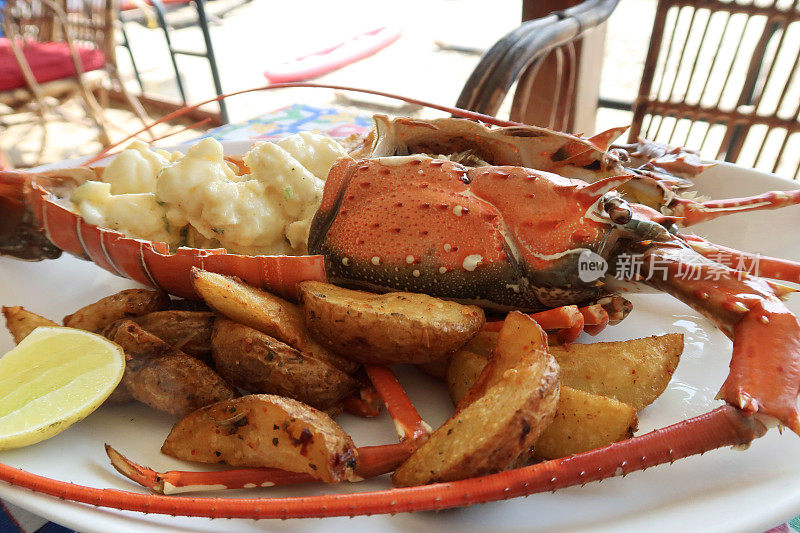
(518, 58)
(723, 77)
(64, 49)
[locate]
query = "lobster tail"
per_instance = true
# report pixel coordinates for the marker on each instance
(20, 234)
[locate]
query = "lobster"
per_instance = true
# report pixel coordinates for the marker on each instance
(495, 216)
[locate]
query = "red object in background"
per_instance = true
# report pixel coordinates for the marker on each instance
(334, 57)
(127, 5)
(48, 60)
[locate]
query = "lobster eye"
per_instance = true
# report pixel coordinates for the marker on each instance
(617, 209)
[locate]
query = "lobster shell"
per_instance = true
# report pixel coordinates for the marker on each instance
(150, 263)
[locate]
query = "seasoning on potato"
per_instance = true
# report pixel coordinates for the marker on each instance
(635, 371)
(162, 376)
(21, 322)
(583, 422)
(258, 363)
(188, 331)
(265, 312)
(519, 335)
(391, 328)
(492, 432)
(124, 304)
(263, 430)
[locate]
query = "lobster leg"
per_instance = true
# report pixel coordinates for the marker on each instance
(765, 364)
(366, 403)
(617, 308)
(558, 318)
(759, 265)
(372, 461)
(691, 212)
(569, 321)
(725, 426)
(410, 426)
(175, 482)
(595, 318)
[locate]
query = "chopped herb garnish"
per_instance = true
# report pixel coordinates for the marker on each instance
(166, 222)
(184, 236)
(219, 231)
(287, 192)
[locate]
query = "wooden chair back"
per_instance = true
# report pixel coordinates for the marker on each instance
(540, 60)
(723, 77)
(81, 22)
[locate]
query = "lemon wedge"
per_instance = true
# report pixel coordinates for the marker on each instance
(53, 378)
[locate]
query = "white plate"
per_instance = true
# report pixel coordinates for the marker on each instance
(723, 490)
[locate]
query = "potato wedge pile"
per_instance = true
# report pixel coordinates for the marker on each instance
(497, 422)
(264, 312)
(603, 385)
(258, 363)
(257, 379)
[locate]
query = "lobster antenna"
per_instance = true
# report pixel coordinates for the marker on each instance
(463, 113)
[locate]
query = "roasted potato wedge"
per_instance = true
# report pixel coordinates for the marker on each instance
(124, 304)
(164, 377)
(492, 432)
(20, 322)
(265, 312)
(635, 371)
(585, 421)
(519, 335)
(388, 328)
(462, 373)
(258, 363)
(483, 343)
(120, 395)
(188, 331)
(262, 430)
(188, 305)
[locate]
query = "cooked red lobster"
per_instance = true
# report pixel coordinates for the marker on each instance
(502, 217)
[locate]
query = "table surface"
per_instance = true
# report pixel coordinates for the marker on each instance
(278, 123)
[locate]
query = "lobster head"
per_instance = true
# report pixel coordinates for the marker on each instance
(499, 236)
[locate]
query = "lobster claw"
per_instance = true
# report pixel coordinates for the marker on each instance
(21, 235)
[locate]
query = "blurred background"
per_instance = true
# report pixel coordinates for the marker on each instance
(727, 69)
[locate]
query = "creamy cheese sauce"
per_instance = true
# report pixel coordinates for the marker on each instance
(197, 199)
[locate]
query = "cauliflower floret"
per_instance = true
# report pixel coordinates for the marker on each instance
(137, 215)
(135, 169)
(202, 190)
(197, 199)
(315, 152)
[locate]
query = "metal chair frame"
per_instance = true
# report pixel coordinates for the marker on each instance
(207, 53)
